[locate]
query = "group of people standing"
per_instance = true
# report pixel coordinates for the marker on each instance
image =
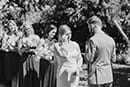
(47, 62)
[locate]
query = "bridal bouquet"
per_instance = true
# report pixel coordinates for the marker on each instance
(9, 42)
(44, 51)
(31, 41)
(29, 44)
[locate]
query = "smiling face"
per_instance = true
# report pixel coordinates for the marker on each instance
(29, 30)
(52, 33)
(12, 26)
(65, 33)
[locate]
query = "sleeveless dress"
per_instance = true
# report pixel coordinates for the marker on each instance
(28, 68)
(11, 58)
(48, 68)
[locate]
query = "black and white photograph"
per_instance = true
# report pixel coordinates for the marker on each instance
(64, 43)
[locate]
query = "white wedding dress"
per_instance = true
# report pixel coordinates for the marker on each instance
(69, 65)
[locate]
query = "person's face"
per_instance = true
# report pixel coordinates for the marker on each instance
(91, 28)
(12, 26)
(52, 33)
(28, 30)
(67, 35)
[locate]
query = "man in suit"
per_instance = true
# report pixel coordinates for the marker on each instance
(99, 54)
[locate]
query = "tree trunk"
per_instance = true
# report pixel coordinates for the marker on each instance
(121, 31)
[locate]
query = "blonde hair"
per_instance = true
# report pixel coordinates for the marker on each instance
(12, 21)
(95, 20)
(62, 30)
(25, 28)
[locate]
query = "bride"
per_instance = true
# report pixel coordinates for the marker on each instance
(69, 59)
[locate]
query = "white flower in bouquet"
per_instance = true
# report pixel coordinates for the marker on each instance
(39, 49)
(29, 44)
(48, 54)
(9, 42)
(31, 41)
(4, 42)
(1, 32)
(44, 51)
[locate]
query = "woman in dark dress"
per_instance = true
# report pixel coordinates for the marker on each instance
(10, 58)
(48, 65)
(28, 72)
(1, 53)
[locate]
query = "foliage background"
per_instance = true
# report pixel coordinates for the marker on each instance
(75, 13)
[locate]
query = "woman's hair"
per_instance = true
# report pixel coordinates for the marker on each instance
(25, 28)
(47, 29)
(14, 24)
(63, 29)
(11, 21)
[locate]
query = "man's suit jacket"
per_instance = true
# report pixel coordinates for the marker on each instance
(100, 50)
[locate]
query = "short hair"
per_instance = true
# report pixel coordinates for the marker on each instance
(95, 20)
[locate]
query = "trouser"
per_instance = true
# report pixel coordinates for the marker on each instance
(101, 85)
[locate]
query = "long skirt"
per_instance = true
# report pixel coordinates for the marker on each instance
(48, 73)
(62, 80)
(31, 78)
(2, 66)
(9, 67)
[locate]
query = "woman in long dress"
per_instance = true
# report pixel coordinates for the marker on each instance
(69, 59)
(1, 53)
(48, 65)
(29, 72)
(10, 57)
